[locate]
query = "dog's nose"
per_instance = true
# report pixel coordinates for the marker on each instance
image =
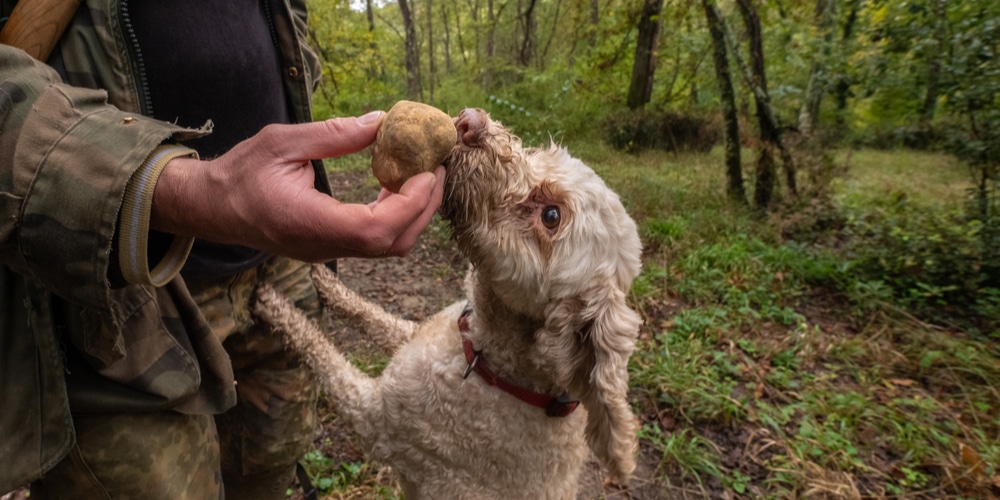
(470, 123)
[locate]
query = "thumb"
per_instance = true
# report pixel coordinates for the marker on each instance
(326, 139)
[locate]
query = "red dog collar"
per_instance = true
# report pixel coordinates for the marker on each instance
(555, 406)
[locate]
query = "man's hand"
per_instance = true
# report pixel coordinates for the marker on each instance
(260, 194)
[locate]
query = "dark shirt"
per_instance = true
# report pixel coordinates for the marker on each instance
(220, 64)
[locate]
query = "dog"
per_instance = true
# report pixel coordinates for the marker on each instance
(499, 395)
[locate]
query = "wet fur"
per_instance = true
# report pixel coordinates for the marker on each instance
(550, 313)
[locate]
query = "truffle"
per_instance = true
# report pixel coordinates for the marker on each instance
(413, 138)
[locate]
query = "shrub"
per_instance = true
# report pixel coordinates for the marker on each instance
(635, 130)
(927, 137)
(940, 264)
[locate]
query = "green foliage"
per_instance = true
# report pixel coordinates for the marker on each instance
(854, 397)
(661, 232)
(371, 363)
(973, 92)
(692, 455)
(362, 69)
(534, 129)
(754, 279)
(937, 263)
(687, 373)
(635, 130)
(329, 477)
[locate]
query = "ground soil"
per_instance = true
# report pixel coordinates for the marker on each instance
(415, 287)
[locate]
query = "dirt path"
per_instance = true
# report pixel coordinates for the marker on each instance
(417, 286)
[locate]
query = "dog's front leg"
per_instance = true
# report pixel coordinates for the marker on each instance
(356, 395)
(387, 330)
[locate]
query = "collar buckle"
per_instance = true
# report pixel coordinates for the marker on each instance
(561, 406)
(472, 365)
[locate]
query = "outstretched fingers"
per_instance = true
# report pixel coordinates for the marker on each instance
(324, 139)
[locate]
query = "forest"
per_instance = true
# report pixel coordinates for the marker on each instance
(816, 185)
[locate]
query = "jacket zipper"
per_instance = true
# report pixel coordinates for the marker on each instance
(142, 82)
(270, 26)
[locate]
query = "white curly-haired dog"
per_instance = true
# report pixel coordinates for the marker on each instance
(478, 401)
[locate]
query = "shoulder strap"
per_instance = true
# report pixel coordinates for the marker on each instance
(36, 25)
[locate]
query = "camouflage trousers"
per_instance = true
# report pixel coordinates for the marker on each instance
(249, 452)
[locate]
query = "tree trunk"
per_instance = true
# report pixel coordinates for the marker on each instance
(491, 34)
(413, 88)
(458, 34)
(764, 187)
(731, 129)
(375, 68)
(491, 31)
(430, 50)
(843, 88)
(477, 38)
(370, 14)
(934, 65)
(529, 31)
(694, 62)
(816, 87)
(447, 38)
(640, 90)
(757, 82)
(544, 56)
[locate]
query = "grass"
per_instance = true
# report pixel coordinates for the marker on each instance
(930, 177)
(353, 480)
(851, 397)
(767, 367)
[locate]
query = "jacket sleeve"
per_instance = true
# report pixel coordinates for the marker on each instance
(66, 159)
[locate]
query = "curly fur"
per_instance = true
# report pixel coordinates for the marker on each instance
(550, 314)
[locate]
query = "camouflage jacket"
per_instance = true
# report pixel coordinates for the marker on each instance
(71, 136)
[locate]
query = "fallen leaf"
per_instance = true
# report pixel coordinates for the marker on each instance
(972, 461)
(668, 422)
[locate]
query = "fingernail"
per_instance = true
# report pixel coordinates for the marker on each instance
(370, 118)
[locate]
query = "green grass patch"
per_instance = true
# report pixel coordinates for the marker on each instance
(361, 160)
(876, 175)
(819, 359)
(345, 480)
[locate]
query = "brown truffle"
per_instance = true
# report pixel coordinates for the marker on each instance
(413, 138)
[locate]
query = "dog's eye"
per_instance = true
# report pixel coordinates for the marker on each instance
(550, 216)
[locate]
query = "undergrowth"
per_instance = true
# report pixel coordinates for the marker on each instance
(838, 366)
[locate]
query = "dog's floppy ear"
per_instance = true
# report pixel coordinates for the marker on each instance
(589, 338)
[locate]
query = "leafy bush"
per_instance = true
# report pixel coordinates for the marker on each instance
(534, 129)
(924, 137)
(635, 130)
(941, 264)
(538, 107)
